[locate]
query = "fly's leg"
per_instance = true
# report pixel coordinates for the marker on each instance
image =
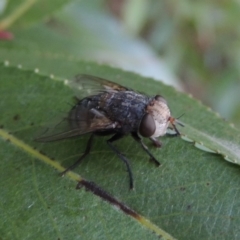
(121, 156)
(87, 151)
(156, 142)
(145, 148)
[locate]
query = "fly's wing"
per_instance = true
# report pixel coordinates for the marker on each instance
(86, 85)
(79, 121)
(84, 117)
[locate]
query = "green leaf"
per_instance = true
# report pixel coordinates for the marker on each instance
(194, 194)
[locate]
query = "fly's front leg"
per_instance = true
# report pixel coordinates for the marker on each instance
(121, 156)
(86, 152)
(156, 142)
(139, 140)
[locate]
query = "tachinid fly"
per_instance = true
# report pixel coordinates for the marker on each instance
(111, 109)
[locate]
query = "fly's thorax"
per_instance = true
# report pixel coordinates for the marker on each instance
(126, 107)
(156, 120)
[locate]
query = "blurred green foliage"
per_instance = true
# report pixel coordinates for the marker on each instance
(199, 40)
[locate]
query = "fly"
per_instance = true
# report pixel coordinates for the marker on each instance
(111, 109)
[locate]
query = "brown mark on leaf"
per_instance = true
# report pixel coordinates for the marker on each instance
(189, 207)
(91, 186)
(16, 117)
(42, 152)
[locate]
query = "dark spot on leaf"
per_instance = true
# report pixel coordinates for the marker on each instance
(16, 117)
(43, 153)
(32, 123)
(182, 188)
(1, 126)
(208, 184)
(189, 207)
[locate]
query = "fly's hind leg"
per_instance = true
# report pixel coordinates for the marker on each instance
(86, 152)
(121, 156)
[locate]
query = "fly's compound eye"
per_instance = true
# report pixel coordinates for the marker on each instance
(147, 126)
(160, 99)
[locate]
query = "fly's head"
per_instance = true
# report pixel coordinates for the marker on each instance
(157, 119)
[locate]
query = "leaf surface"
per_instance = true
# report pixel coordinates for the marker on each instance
(193, 193)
